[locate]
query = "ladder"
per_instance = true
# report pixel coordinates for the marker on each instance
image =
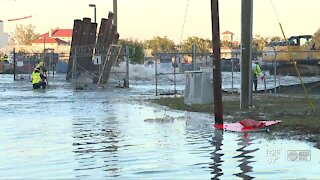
(111, 57)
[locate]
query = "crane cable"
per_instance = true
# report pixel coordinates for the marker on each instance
(184, 21)
(292, 59)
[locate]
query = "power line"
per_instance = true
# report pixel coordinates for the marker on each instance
(184, 21)
(16, 19)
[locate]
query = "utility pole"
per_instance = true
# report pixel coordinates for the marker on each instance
(218, 111)
(115, 13)
(246, 54)
(94, 12)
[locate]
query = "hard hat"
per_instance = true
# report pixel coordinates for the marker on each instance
(41, 64)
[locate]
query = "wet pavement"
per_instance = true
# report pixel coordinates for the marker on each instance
(61, 133)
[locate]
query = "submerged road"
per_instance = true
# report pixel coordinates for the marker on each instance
(61, 133)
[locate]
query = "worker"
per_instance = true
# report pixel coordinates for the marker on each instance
(38, 80)
(256, 72)
(40, 67)
(5, 57)
(1, 57)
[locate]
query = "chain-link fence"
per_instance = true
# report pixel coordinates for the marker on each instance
(21, 64)
(93, 66)
(171, 66)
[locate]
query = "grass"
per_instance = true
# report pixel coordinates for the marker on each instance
(294, 111)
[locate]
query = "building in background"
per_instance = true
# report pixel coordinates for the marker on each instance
(3, 37)
(227, 36)
(55, 44)
(57, 40)
(62, 34)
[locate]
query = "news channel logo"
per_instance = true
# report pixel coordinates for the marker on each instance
(298, 155)
(275, 155)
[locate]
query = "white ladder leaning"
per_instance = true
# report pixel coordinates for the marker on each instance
(111, 57)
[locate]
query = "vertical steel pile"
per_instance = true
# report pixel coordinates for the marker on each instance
(76, 35)
(107, 36)
(84, 42)
(104, 32)
(87, 44)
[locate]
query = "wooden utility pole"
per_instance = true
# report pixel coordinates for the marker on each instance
(218, 111)
(115, 12)
(246, 54)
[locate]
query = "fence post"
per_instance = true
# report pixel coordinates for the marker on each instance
(156, 75)
(126, 80)
(193, 57)
(275, 70)
(231, 73)
(54, 64)
(29, 71)
(14, 64)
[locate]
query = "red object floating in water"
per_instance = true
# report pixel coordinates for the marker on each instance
(245, 125)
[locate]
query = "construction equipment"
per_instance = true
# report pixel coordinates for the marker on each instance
(305, 51)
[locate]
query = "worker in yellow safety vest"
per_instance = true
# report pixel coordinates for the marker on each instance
(4, 58)
(256, 73)
(40, 67)
(38, 80)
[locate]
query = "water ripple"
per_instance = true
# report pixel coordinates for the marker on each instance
(66, 134)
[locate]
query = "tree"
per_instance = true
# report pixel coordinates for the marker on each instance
(275, 38)
(258, 43)
(160, 45)
(226, 44)
(136, 51)
(23, 35)
(202, 45)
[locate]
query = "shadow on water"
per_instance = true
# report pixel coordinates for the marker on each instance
(244, 157)
(217, 154)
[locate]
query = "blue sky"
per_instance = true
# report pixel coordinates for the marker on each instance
(144, 19)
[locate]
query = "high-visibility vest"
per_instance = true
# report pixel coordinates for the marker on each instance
(39, 68)
(3, 58)
(35, 77)
(256, 70)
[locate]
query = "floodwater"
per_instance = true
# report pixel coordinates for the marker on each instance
(61, 133)
(230, 81)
